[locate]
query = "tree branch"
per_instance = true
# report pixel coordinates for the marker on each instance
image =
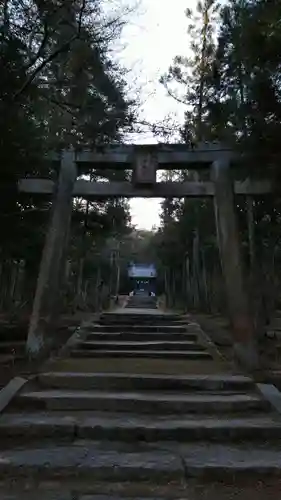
(46, 34)
(181, 101)
(6, 16)
(53, 55)
(82, 9)
(41, 48)
(61, 105)
(60, 50)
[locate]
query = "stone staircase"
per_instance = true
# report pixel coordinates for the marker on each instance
(142, 302)
(140, 399)
(145, 336)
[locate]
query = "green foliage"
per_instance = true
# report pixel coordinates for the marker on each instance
(59, 87)
(245, 107)
(230, 84)
(190, 73)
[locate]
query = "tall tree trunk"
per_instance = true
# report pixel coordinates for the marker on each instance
(204, 280)
(199, 132)
(117, 279)
(79, 281)
(97, 290)
(14, 277)
(186, 280)
(195, 270)
(166, 285)
(19, 284)
(251, 232)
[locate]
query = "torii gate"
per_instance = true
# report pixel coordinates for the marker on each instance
(144, 160)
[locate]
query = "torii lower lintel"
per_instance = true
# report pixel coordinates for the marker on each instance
(98, 190)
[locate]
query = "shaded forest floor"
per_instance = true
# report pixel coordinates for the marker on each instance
(219, 330)
(16, 328)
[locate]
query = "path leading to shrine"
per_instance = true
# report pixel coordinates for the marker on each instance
(140, 399)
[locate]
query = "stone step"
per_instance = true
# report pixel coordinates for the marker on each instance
(169, 346)
(142, 296)
(141, 336)
(139, 365)
(128, 428)
(85, 490)
(131, 318)
(144, 305)
(139, 299)
(129, 381)
(138, 328)
(123, 353)
(99, 461)
(90, 460)
(140, 402)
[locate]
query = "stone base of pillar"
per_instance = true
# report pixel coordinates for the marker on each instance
(247, 355)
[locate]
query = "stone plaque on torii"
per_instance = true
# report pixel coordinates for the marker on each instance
(144, 161)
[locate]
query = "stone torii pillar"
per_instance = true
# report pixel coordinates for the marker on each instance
(52, 262)
(244, 338)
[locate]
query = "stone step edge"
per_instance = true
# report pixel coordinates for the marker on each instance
(145, 328)
(145, 342)
(142, 395)
(148, 347)
(117, 473)
(86, 400)
(219, 382)
(141, 354)
(146, 466)
(213, 430)
(193, 378)
(139, 336)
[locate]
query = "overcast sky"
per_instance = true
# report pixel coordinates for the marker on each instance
(153, 38)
